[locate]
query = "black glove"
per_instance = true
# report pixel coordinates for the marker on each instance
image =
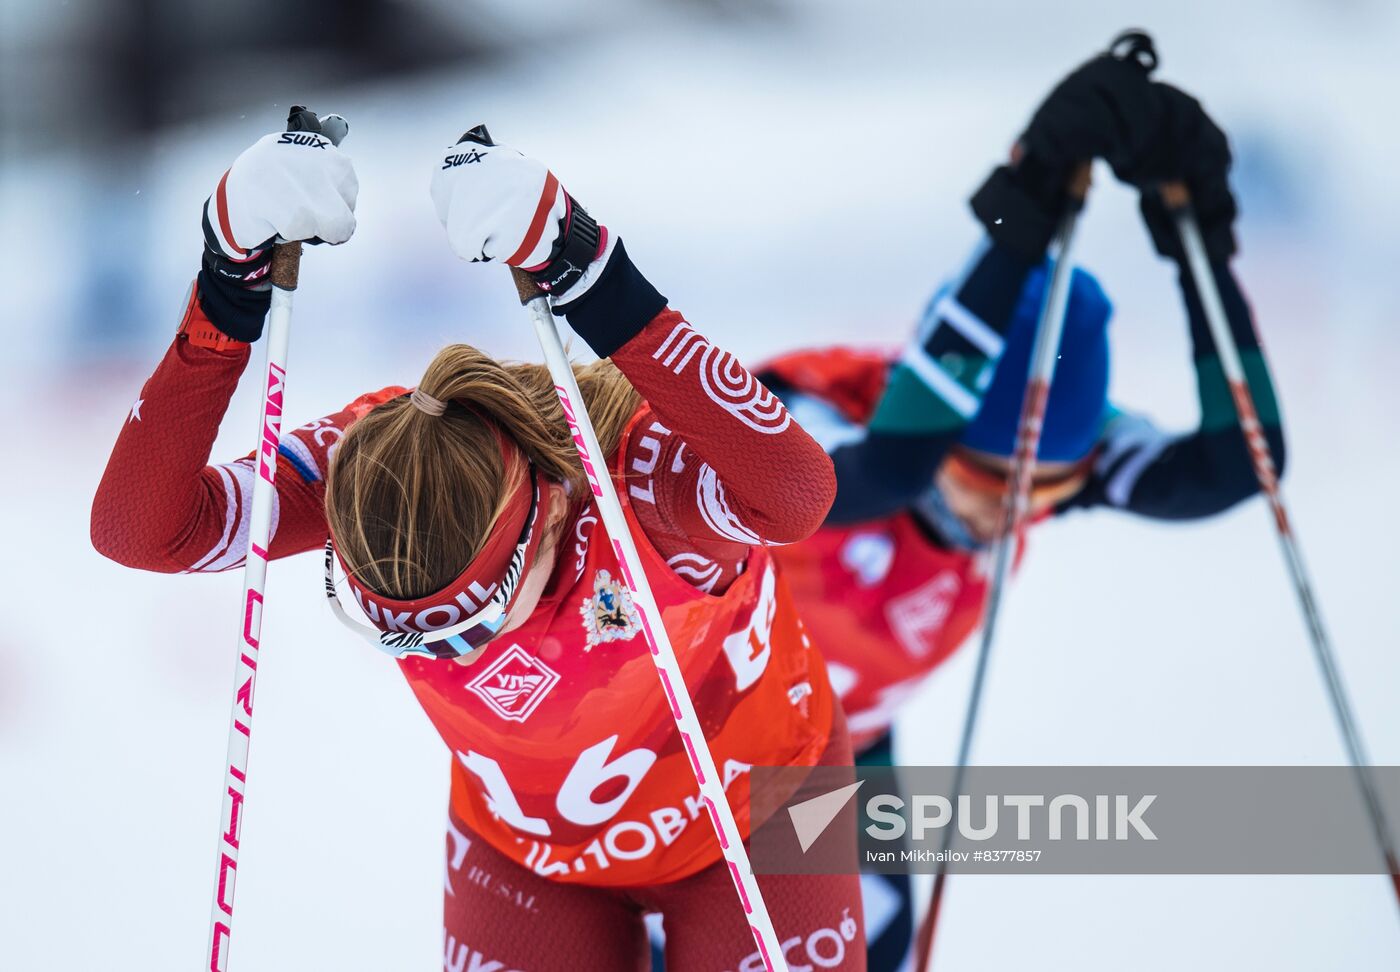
(1190, 148)
(1104, 109)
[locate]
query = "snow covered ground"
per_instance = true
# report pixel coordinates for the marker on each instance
(786, 180)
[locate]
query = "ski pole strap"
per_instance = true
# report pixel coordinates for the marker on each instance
(578, 246)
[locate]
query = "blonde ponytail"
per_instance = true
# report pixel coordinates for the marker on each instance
(411, 496)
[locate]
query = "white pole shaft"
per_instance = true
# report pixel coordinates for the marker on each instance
(1044, 355)
(1198, 264)
(662, 654)
(250, 629)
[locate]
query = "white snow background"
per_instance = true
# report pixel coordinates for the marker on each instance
(787, 181)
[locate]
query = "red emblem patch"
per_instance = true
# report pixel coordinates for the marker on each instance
(515, 684)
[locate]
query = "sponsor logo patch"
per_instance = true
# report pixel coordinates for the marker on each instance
(463, 158)
(515, 684)
(303, 138)
(609, 615)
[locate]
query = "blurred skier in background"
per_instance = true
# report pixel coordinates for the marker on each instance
(922, 438)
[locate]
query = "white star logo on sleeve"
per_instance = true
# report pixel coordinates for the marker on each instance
(136, 411)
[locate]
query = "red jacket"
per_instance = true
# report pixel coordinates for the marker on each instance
(567, 758)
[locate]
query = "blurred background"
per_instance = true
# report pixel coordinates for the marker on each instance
(790, 173)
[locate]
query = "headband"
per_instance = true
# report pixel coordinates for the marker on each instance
(471, 609)
(1053, 490)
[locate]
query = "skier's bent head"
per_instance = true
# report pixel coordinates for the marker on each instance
(445, 504)
(973, 478)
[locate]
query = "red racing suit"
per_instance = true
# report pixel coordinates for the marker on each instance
(566, 757)
(568, 760)
(885, 603)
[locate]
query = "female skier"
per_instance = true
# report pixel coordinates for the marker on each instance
(921, 442)
(573, 810)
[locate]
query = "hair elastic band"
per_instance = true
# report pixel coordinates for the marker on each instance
(426, 403)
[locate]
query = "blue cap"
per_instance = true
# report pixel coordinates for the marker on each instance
(1079, 388)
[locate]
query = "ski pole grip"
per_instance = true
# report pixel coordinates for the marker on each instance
(286, 265)
(1078, 188)
(525, 285)
(1175, 196)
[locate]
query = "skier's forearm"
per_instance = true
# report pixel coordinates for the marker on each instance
(156, 499)
(1173, 477)
(1205, 472)
(1217, 409)
(936, 385)
(934, 389)
(1209, 471)
(772, 476)
(160, 507)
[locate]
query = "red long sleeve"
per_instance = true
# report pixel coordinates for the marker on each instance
(716, 467)
(719, 465)
(161, 507)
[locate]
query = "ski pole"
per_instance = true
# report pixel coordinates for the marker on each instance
(286, 261)
(662, 654)
(1011, 529)
(283, 273)
(1178, 202)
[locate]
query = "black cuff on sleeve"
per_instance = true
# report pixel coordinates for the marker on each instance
(234, 310)
(616, 308)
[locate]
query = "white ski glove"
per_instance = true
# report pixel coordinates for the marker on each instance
(499, 205)
(296, 185)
